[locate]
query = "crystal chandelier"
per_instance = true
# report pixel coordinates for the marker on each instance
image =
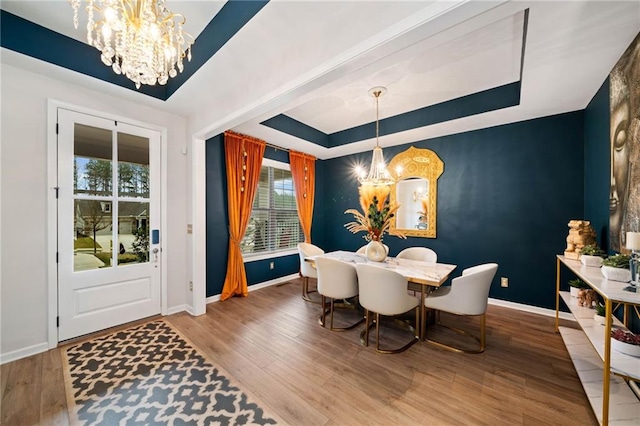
(378, 173)
(141, 39)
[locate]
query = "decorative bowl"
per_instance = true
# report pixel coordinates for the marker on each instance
(587, 260)
(625, 348)
(616, 274)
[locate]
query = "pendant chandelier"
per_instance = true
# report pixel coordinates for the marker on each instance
(378, 173)
(141, 39)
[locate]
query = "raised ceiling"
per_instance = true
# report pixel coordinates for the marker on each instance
(313, 62)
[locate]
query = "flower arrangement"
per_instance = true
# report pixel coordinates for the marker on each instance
(376, 215)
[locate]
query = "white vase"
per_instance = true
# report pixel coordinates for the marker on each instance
(587, 260)
(574, 291)
(616, 274)
(376, 252)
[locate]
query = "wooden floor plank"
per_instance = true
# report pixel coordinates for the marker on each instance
(53, 404)
(4, 376)
(272, 346)
(21, 399)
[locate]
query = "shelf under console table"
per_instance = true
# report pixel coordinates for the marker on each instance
(601, 369)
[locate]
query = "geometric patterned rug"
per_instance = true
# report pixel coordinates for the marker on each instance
(150, 375)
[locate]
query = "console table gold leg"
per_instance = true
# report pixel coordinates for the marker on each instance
(606, 376)
(626, 315)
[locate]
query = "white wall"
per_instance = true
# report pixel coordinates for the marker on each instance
(23, 196)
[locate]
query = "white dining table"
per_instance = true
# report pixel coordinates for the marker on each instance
(426, 275)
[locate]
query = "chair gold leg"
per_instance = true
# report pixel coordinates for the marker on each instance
(483, 332)
(366, 328)
(331, 308)
(377, 332)
(323, 315)
(306, 291)
(481, 340)
(414, 330)
(325, 311)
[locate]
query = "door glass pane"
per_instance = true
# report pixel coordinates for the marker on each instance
(92, 234)
(92, 165)
(133, 232)
(133, 166)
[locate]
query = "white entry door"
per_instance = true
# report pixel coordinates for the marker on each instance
(108, 223)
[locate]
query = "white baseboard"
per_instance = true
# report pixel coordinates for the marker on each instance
(258, 286)
(23, 353)
(531, 309)
(178, 308)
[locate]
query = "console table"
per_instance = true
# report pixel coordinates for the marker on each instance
(601, 370)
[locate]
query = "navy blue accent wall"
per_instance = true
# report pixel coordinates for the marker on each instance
(217, 216)
(218, 224)
(298, 129)
(258, 271)
(597, 164)
(506, 196)
(276, 154)
(318, 230)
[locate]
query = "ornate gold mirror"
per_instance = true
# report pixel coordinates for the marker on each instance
(416, 190)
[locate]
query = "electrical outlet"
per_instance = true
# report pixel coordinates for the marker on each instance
(504, 282)
(271, 265)
(190, 285)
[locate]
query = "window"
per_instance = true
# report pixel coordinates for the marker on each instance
(274, 223)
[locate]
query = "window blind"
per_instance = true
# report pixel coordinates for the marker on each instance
(274, 223)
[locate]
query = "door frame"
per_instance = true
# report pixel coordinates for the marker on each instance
(52, 207)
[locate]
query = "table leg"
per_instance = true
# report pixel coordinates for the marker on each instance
(423, 313)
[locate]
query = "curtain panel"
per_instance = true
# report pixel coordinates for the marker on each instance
(243, 158)
(303, 171)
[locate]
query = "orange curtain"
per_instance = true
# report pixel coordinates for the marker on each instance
(243, 158)
(303, 170)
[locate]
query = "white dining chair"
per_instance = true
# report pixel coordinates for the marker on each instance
(418, 253)
(336, 280)
(468, 295)
(384, 292)
(307, 269)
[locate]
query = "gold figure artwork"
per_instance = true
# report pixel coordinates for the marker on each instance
(416, 174)
(580, 234)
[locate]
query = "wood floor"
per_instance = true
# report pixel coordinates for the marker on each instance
(273, 346)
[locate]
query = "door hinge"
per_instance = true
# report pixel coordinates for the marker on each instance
(57, 321)
(57, 188)
(57, 128)
(57, 257)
